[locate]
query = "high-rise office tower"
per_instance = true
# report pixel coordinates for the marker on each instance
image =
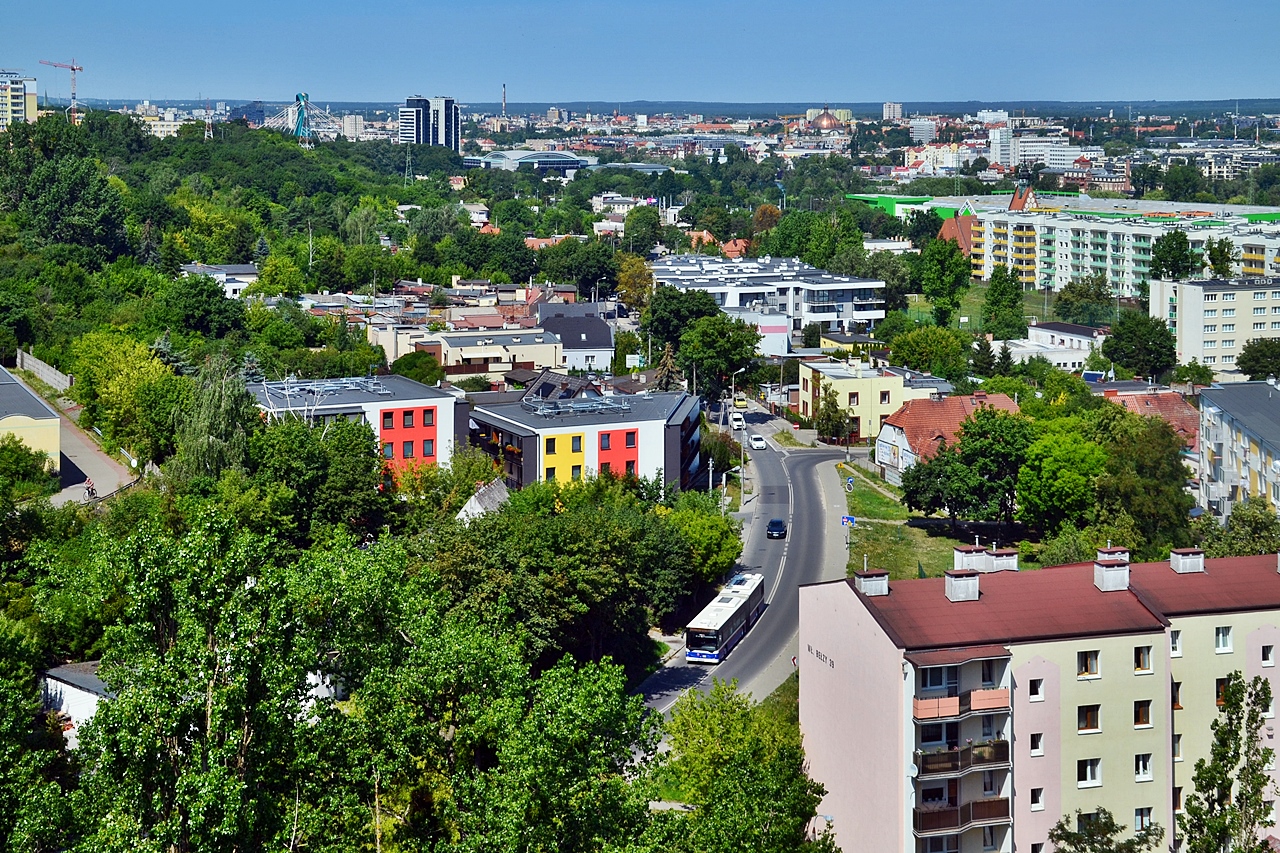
(415, 121)
(430, 121)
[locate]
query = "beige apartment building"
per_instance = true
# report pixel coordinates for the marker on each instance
(972, 712)
(868, 395)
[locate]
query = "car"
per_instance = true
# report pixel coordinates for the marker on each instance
(757, 442)
(737, 421)
(776, 529)
(740, 400)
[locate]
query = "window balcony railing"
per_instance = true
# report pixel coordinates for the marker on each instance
(945, 819)
(971, 701)
(953, 762)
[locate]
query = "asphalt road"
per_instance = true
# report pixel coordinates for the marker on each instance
(786, 487)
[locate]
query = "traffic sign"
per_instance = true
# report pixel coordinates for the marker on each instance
(848, 521)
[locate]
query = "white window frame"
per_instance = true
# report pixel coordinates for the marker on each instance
(1037, 744)
(1175, 643)
(1222, 640)
(1037, 799)
(1035, 690)
(1093, 773)
(1269, 650)
(1142, 650)
(1093, 655)
(1176, 746)
(1142, 767)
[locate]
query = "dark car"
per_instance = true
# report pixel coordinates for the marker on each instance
(777, 529)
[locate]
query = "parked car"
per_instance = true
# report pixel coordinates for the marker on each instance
(757, 442)
(776, 529)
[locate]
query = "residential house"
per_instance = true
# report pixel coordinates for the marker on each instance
(31, 419)
(586, 342)
(914, 432)
(234, 278)
(71, 693)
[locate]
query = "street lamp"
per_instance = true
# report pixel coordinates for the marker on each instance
(732, 377)
(724, 487)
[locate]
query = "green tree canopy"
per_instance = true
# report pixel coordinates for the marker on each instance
(1141, 343)
(1172, 257)
(943, 352)
(419, 366)
(1260, 358)
(944, 277)
(1087, 300)
(717, 346)
(1002, 313)
(1100, 833)
(671, 312)
(1057, 483)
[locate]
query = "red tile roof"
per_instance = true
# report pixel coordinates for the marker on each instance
(1169, 407)
(927, 422)
(960, 229)
(1012, 607)
(953, 657)
(1228, 584)
(1023, 198)
(736, 248)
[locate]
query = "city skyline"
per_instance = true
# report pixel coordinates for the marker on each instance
(256, 51)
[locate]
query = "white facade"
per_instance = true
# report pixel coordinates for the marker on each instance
(891, 111)
(352, 126)
(923, 130)
(1000, 140)
(1213, 320)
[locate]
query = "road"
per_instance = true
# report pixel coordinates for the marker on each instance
(786, 486)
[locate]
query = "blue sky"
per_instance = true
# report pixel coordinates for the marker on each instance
(706, 50)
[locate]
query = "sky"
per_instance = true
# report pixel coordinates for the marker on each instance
(855, 51)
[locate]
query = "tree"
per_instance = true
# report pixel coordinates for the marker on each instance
(1223, 256)
(765, 218)
(993, 446)
(419, 366)
(1260, 358)
(894, 271)
(1085, 300)
(1004, 361)
(1099, 833)
(893, 324)
(717, 346)
(1194, 373)
(625, 343)
(1145, 477)
(71, 200)
(672, 311)
(983, 361)
(1183, 181)
(213, 435)
(1056, 484)
(941, 351)
(1141, 343)
(668, 377)
(1002, 314)
(830, 419)
(923, 227)
(944, 278)
(1232, 786)
(279, 276)
(811, 336)
(1172, 257)
(642, 228)
(1252, 528)
(635, 281)
(941, 483)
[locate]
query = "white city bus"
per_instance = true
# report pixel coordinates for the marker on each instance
(723, 622)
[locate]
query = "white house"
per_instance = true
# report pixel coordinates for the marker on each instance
(73, 692)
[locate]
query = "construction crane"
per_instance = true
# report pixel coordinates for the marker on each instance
(73, 68)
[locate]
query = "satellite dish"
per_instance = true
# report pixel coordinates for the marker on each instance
(913, 771)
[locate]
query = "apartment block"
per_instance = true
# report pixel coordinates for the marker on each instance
(972, 712)
(867, 395)
(1239, 446)
(1213, 320)
(891, 111)
(17, 99)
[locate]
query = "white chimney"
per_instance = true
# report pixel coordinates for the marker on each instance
(962, 585)
(969, 557)
(1116, 553)
(1002, 559)
(1111, 575)
(871, 582)
(1187, 560)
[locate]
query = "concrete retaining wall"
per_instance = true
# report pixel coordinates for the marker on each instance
(46, 373)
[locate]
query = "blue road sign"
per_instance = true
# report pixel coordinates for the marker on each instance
(848, 521)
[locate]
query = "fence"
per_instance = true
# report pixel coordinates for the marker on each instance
(46, 373)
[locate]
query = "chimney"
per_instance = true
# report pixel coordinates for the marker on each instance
(969, 557)
(1116, 553)
(962, 585)
(1002, 559)
(1110, 575)
(1187, 560)
(871, 582)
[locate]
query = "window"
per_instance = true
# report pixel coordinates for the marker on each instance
(853, 398)
(604, 441)
(988, 673)
(1210, 328)
(551, 447)
(575, 444)
(989, 783)
(1258, 327)
(1177, 800)
(1142, 767)
(1211, 297)
(1175, 694)
(1222, 639)
(549, 475)
(1270, 711)
(388, 451)
(1035, 690)
(1228, 359)
(988, 726)
(1228, 343)
(1175, 644)
(388, 420)
(407, 449)
(1088, 772)
(1087, 664)
(884, 398)
(1210, 344)
(933, 794)
(428, 447)
(1228, 297)
(631, 467)
(1142, 818)
(1142, 713)
(1268, 655)
(1037, 799)
(1087, 718)
(1037, 847)
(604, 469)
(942, 844)
(939, 677)
(989, 838)
(1228, 312)
(1220, 691)
(1037, 743)
(631, 439)
(932, 733)
(576, 472)
(408, 419)
(1275, 309)
(1177, 747)
(428, 417)
(1259, 294)
(1211, 312)
(1083, 820)
(1142, 659)
(1228, 327)
(1209, 359)
(1259, 310)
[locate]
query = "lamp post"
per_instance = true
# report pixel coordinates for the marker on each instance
(732, 377)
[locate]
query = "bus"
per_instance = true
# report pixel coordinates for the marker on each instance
(717, 629)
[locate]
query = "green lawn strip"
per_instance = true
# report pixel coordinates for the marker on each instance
(786, 439)
(865, 501)
(900, 548)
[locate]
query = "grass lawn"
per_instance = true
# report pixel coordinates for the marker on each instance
(899, 548)
(1033, 305)
(786, 439)
(865, 501)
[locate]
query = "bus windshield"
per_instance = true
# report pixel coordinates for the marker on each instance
(702, 641)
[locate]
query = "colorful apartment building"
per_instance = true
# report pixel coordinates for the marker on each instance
(413, 423)
(645, 435)
(972, 712)
(867, 395)
(1239, 445)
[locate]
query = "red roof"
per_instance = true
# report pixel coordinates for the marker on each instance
(1169, 407)
(1227, 584)
(1012, 607)
(959, 229)
(736, 248)
(1023, 197)
(927, 422)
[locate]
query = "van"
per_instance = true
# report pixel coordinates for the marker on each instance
(737, 421)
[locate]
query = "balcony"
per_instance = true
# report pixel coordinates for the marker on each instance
(959, 761)
(970, 702)
(944, 819)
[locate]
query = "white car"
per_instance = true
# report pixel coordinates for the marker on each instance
(737, 421)
(757, 442)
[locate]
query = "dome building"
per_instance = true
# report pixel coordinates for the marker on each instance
(826, 121)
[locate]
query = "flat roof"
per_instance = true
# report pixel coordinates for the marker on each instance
(83, 676)
(16, 399)
(663, 406)
(319, 394)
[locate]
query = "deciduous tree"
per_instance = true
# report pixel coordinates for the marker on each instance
(1141, 343)
(1260, 358)
(941, 351)
(1100, 833)
(1172, 257)
(1002, 314)
(1085, 300)
(944, 278)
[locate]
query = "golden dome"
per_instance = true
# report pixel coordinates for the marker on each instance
(826, 121)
